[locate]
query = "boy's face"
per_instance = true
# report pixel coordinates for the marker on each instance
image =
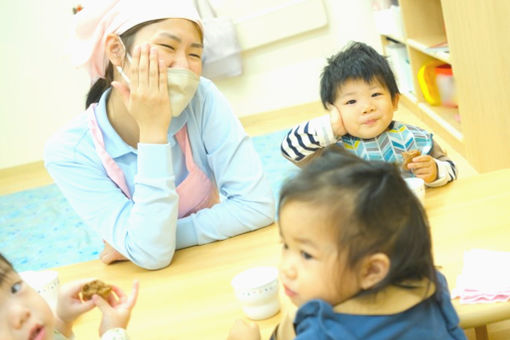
(24, 314)
(366, 108)
(310, 266)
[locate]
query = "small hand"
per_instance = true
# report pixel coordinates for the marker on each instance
(110, 255)
(70, 306)
(146, 99)
(337, 124)
(117, 309)
(243, 330)
(424, 167)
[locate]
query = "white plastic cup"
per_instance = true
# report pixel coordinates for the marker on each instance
(417, 186)
(44, 282)
(257, 291)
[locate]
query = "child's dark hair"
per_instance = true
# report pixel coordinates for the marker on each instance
(373, 211)
(356, 61)
(5, 268)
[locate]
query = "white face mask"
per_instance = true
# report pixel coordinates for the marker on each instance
(182, 85)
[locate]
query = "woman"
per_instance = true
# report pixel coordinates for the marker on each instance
(146, 163)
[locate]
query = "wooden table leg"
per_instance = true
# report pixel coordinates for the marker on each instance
(481, 333)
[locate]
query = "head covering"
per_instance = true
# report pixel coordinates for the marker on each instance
(99, 18)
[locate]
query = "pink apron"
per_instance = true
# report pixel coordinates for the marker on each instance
(195, 192)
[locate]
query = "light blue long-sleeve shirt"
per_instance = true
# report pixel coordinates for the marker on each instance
(146, 229)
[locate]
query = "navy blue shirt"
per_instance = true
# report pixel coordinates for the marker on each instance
(434, 318)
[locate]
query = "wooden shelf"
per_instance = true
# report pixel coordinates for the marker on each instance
(400, 40)
(444, 116)
(475, 32)
(423, 45)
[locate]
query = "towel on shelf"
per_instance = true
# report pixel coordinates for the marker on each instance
(485, 277)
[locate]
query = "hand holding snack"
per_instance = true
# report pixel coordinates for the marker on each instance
(424, 167)
(116, 308)
(70, 306)
(408, 157)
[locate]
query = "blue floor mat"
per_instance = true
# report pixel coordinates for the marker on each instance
(39, 229)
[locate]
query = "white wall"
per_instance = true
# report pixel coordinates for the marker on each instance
(287, 72)
(40, 91)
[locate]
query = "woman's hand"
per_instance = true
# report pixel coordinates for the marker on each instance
(110, 255)
(424, 167)
(70, 306)
(117, 309)
(243, 330)
(337, 124)
(146, 99)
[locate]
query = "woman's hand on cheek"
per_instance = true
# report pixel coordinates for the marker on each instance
(424, 167)
(147, 98)
(243, 330)
(70, 306)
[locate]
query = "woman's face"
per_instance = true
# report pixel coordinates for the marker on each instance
(178, 42)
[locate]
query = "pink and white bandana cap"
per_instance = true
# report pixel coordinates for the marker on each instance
(99, 18)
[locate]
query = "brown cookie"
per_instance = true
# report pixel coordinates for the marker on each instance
(95, 287)
(408, 157)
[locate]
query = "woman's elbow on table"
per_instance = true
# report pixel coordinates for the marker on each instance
(153, 258)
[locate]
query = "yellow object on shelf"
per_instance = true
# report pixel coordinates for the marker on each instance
(427, 82)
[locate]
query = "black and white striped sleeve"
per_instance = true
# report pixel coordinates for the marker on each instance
(307, 138)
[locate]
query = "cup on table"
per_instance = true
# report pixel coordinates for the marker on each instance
(257, 291)
(44, 282)
(417, 186)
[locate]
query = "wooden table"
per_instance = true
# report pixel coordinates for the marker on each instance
(466, 214)
(193, 299)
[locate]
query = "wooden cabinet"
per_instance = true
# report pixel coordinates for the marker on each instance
(478, 49)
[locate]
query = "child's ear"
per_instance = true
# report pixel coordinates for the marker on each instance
(374, 269)
(395, 101)
(115, 50)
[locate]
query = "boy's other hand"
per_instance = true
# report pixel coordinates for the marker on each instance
(424, 167)
(243, 330)
(337, 124)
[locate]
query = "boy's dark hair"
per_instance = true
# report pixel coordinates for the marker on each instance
(373, 211)
(5, 268)
(356, 61)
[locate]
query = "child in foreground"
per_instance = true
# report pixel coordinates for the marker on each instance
(360, 91)
(24, 314)
(356, 257)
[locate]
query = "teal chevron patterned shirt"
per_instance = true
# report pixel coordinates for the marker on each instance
(306, 141)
